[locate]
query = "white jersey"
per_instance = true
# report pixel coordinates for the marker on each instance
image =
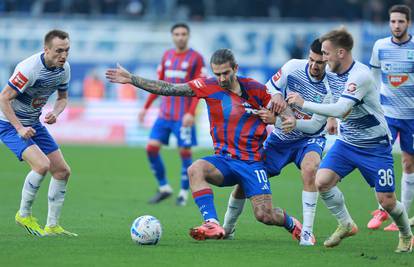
(396, 62)
(35, 83)
(294, 77)
(365, 125)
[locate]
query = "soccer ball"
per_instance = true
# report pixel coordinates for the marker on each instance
(146, 230)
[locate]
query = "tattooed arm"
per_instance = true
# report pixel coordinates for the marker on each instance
(121, 75)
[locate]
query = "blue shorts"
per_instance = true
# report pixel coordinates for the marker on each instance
(42, 138)
(251, 175)
(375, 164)
(186, 136)
(406, 130)
(280, 153)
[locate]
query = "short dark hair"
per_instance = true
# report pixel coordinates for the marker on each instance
(404, 9)
(222, 56)
(180, 25)
(316, 46)
(55, 33)
(339, 38)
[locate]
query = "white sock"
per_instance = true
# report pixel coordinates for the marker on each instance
(183, 193)
(56, 196)
(335, 202)
(309, 201)
(407, 190)
(165, 188)
(234, 209)
(30, 187)
(399, 215)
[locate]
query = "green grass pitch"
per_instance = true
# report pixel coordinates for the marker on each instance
(110, 186)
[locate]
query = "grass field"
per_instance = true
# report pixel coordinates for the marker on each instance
(109, 188)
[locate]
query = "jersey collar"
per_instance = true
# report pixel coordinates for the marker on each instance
(42, 57)
(403, 43)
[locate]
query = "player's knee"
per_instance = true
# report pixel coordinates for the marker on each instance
(185, 153)
(387, 200)
(195, 170)
(309, 170)
(152, 150)
(408, 164)
(42, 167)
(263, 216)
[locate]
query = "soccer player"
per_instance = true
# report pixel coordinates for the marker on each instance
(309, 79)
(180, 64)
(364, 140)
(21, 101)
(392, 63)
(238, 135)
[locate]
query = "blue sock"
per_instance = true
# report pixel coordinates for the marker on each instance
(205, 202)
(156, 164)
(289, 224)
(186, 162)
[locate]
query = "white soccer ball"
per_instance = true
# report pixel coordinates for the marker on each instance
(146, 230)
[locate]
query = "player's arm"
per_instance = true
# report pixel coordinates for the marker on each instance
(59, 107)
(6, 96)
(313, 126)
(121, 75)
(375, 65)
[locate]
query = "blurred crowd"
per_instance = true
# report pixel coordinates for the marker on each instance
(319, 10)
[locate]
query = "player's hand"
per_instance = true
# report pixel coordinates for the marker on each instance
(188, 120)
(141, 115)
(295, 99)
(278, 104)
(332, 126)
(266, 116)
(50, 118)
(26, 132)
(118, 75)
(288, 123)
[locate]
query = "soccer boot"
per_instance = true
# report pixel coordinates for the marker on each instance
(159, 196)
(340, 233)
(229, 233)
(379, 216)
(307, 239)
(297, 229)
(405, 244)
(392, 228)
(181, 201)
(208, 230)
(57, 230)
(30, 224)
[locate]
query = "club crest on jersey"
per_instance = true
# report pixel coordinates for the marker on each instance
(19, 80)
(410, 54)
(248, 108)
(184, 65)
(351, 88)
(277, 76)
(397, 80)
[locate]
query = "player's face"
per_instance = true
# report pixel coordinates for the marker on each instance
(225, 74)
(399, 25)
(316, 65)
(331, 55)
(180, 38)
(57, 52)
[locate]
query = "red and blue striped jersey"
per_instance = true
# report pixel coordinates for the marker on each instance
(234, 126)
(178, 68)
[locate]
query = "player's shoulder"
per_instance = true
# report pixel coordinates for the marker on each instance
(168, 53)
(250, 83)
(34, 61)
(66, 66)
(360, 69)
(195, 52)
(383, 42)
(295, 64)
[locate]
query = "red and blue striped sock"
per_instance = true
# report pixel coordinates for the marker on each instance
(205, 201)
(186, 158)
(156, 163)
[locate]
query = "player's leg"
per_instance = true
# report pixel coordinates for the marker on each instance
(234, 209)
(309, 166)
(336, 164)
(186, 137)
(407, 157)
(159, 135)
(209, 170)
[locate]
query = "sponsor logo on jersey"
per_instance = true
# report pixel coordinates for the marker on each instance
(277, 76)
(410, 54)
(249, 109)
(351, 88)
(19, 80)
(198, 83)
(300, 115)
(39, 102)
(184, 65)
(397, 80)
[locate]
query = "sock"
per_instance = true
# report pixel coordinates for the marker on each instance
(56, 196)
(183, 193)
(234, 209)
(30, 187)
(335, 202)
(157, 165)
(309, 201)
(205, 201)
(186, 158)
(399, 215)
(288, 222)
(407, 190)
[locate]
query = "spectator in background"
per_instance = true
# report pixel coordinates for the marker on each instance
(296, 49)
(93, 87)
